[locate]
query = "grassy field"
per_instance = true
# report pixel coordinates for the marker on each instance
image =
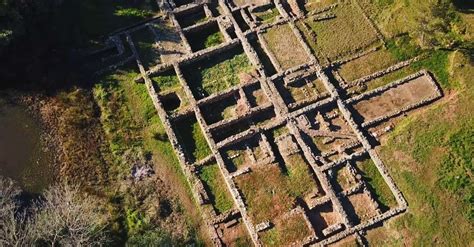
(367, 65)
(191, 137)
(267, 15)
(93, 19)
(279, 38)
(133, 127)
(286, 231)
(269, 192)
(144, 41)
(433, 61)
(214, 75)
(211, 176)
(347, 33)
(377, 184)
(430, 157)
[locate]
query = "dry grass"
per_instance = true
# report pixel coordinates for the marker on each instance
(367, 65)
(345, 178)
(265, 193)
(286, 231)
(348, 33)
(310, 5)
(269, 193)
(285, 46)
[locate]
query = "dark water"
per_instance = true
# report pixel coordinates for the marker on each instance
(22, 157)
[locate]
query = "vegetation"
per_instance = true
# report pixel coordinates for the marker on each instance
(299, 176)
(279, 38)
(196, 146)
(433, 61)
(311, 5)
(132, 127)
(220, 196)
(377, 184)
(144, 41)
(205, 38)
(347, 33)
(213, 40)
(432, 24)
(63, 216)
(270, 193)
(16, 16)
(132, 12)
(367, 65)
(287, 231)
(427, 156)
(165, 81)
(266, 193)
(212, 76)
(268, 15)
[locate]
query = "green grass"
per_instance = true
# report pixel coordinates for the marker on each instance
(403, 48)
(212, 76)
(377, 184)
(349, 32)
(435, 62)
(286, 231)
(430, 23)
(166, 81)
(430, 157)
(206, 38)
(196, 146)
(133, 12)
(131, 124)
(299, 177)
(267, 16)
(220, 196)
(93, 19)
(214, 39)
(144, 40)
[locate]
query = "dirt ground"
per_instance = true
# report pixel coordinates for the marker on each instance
(395, 99)
(362, 206)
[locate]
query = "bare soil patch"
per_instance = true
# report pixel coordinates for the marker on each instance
(395, 99)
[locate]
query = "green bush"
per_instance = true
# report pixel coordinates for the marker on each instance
(213, 39)
(402, 48)
(132, 12)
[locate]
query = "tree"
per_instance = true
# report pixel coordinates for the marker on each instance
(67, 218)
(64, 217)
(14, 226)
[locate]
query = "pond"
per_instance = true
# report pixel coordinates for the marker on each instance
(22, 156)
